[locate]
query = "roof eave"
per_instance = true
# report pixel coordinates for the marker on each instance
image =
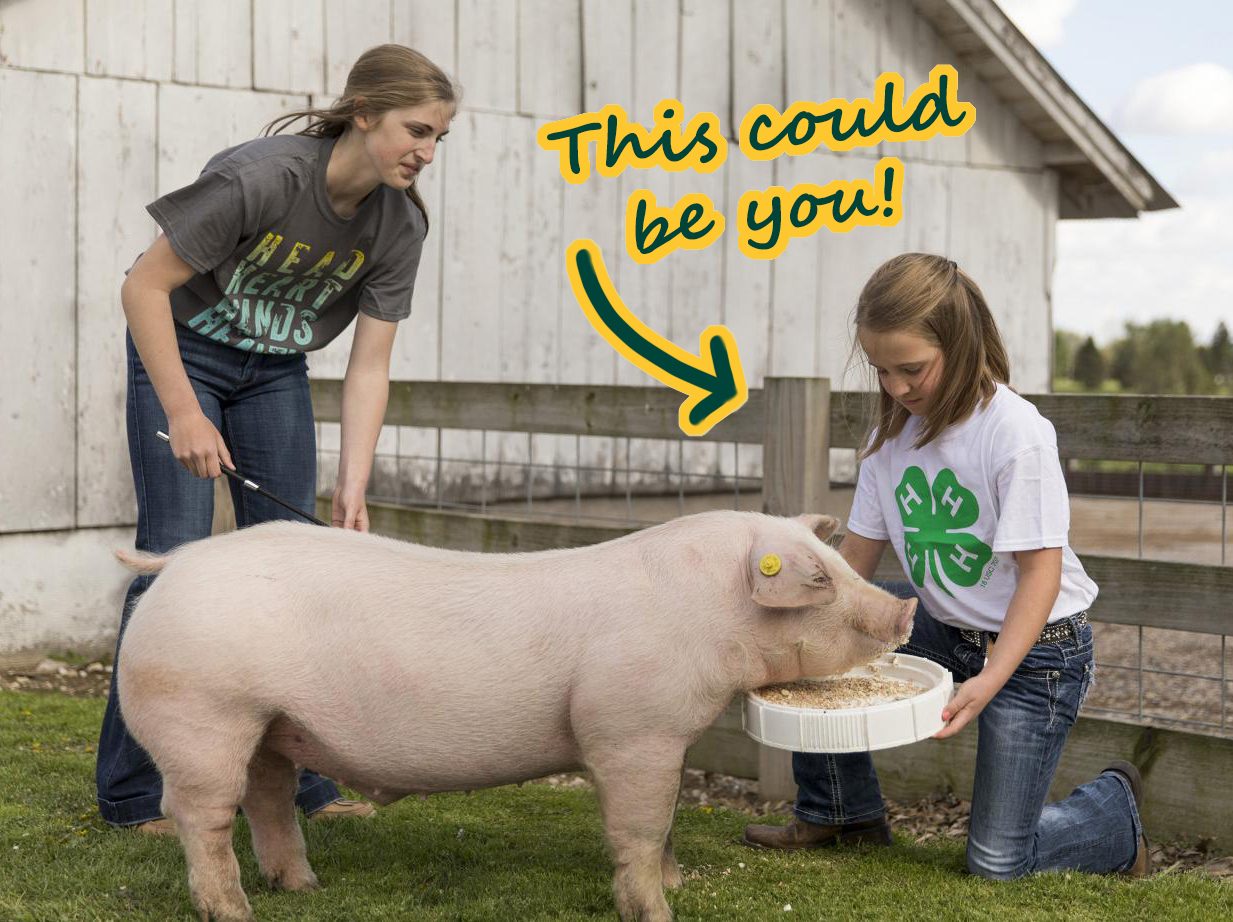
(1099, 176)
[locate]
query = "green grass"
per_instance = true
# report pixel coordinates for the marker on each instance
(1072, 386)
(526, 853)
(1113, 386)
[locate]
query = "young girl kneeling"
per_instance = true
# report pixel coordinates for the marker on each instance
(961, 475)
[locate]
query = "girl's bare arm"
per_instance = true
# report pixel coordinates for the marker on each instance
(862, 554)
(366, 389)
(146, 298)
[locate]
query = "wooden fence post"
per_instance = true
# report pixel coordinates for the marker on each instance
(795, 479)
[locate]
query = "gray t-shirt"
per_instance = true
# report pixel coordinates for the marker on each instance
(279, 270)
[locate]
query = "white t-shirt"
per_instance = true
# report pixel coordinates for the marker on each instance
(955, 509)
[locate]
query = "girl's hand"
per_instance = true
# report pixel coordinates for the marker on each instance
(969, 701)
(198, 445)
(348, 509)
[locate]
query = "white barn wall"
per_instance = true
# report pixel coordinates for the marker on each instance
(159, 90)
(289, 46)
(757, 58)
(997, 226)
(118, 177)
(656, 28)
(62, 590)
(214, 42)
(128, 38)
(38, 239)
(351, 26)
(488, 54)
(706, 61)
(429, 26)
(47, 35)
(549, 81)
(607, 49)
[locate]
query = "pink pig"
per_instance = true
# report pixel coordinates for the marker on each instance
(466, 670)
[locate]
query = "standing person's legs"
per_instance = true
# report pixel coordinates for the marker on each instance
(838, 797)
(272, 437)
(1013, 831)
(173, 507)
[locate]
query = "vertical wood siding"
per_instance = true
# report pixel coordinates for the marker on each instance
(153, 93)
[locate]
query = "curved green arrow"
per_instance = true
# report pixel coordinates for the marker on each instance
(714, 380)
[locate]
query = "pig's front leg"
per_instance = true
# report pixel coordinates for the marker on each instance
(637, 782)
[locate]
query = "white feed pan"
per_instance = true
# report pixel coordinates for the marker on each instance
(857, 729)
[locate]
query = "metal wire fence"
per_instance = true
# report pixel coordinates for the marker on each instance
(1147, 675)
(1198, 696)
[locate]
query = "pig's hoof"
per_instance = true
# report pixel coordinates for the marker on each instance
(226, 914)
(293, 880)
(651, 910)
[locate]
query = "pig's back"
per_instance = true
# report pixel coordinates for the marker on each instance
(378, 631)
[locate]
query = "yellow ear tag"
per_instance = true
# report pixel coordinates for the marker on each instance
(769, 564)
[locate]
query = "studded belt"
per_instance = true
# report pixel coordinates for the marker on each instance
(1053, 633)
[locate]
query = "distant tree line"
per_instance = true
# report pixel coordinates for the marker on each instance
(1160, 357)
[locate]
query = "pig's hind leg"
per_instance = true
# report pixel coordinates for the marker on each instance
(669, 868)
(203, 783)
(637, 783)
(269, 806)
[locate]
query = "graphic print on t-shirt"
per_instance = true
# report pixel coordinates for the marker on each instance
(277, 309)
(933, 521)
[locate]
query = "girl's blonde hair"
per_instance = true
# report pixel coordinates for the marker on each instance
(382, 78)
(929, 296)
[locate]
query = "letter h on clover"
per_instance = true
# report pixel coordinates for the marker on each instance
(933, 520)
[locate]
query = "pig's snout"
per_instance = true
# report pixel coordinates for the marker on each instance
(894, 626)
(903, 629)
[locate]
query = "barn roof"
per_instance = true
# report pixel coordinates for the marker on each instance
(1100, 178)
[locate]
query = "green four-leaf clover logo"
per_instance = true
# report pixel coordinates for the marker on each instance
(933, 520)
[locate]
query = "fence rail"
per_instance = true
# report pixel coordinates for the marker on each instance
(1114, 427)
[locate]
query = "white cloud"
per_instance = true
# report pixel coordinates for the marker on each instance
(1170, 264)
(1208, 173)
(1042, 21)
(1192, 100)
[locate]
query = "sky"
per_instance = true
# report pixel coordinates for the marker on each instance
(1160, 76)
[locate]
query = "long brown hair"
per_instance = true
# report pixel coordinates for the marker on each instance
(382, 78)
(931, 297)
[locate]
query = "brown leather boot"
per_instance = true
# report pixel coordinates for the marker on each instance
(342, 809)
(1143, 860)
(800, 834)
(163, 826)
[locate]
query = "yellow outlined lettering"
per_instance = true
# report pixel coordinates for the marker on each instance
(841, 125)
(768, 220)
(651, 232)
(619, 142)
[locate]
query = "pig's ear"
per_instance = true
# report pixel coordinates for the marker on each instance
(821, 525)
(791, 577)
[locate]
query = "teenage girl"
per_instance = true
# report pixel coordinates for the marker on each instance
(279, 244)
(961, 476)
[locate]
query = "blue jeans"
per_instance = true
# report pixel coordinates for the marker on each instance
(1012, 831)
(262, 407)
